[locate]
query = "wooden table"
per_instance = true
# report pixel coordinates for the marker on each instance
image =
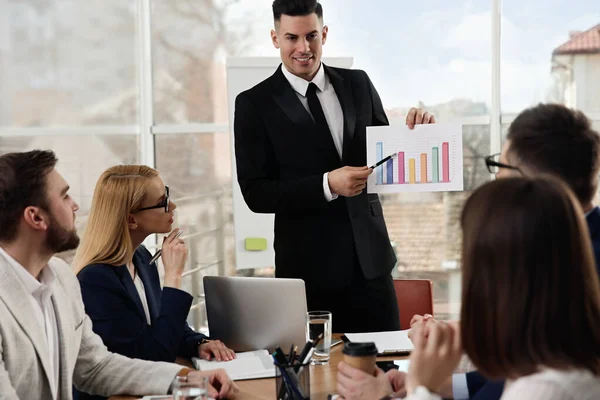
(322, 380)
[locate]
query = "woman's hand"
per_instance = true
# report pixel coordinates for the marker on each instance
(174, 255)
(216, 349)
(434, 358)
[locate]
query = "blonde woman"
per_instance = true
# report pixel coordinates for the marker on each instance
(119, 285)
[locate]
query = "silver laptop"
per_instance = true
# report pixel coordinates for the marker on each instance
(256, 313)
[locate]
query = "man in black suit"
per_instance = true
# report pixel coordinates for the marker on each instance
(546, 139)
(300, 145)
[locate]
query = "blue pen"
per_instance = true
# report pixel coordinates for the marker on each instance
(287, 379)
(290, 376)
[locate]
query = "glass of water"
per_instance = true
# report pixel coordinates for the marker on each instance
(319, 322)
(184, 390)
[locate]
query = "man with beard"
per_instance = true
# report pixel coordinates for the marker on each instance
(46, 341)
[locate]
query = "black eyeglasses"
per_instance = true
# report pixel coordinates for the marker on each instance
(163, 204)
(493, 165)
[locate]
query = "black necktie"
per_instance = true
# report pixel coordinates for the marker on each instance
(315, 108)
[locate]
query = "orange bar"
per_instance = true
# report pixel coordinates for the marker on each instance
(423, 167)
(412, 175)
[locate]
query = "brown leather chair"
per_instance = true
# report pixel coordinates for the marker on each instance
(415, 296)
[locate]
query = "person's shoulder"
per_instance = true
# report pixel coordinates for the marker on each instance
(558, 382)
(63, 272)
(96, 273)
(352, 74)
(264, 87)
(60, 267)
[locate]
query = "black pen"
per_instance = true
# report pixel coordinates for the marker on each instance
(317, 340)
(159, 252)
(378, 163)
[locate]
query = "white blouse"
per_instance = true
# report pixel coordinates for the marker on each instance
(139, 285)
(549, 384)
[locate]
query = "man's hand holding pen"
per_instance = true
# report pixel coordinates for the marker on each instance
(348, 181)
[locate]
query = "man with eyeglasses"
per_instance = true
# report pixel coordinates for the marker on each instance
(545, 139)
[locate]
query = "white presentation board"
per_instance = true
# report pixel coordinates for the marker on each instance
(242, 74)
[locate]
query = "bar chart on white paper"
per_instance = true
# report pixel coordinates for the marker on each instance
(428, 158)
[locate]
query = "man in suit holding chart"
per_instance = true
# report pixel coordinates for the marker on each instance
(300, 145)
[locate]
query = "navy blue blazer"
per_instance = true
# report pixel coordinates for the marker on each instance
(482, 389)
(115, 308)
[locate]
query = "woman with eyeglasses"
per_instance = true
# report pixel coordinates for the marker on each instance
(120, 286)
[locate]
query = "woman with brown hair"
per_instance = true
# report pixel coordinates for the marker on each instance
(530, 309)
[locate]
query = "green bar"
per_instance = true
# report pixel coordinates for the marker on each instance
(435, 165)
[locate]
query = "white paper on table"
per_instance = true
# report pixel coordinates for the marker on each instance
(386, 342)
(426, 145)
(402, 365)
(163, 397)
(247, 365)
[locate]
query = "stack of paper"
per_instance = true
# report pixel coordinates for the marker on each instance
(247, 365)
(388, 343)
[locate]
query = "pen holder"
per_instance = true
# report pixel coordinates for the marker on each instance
(292, 382)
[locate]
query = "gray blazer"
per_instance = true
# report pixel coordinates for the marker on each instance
(84, 360)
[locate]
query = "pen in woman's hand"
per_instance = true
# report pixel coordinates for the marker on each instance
(159, 252)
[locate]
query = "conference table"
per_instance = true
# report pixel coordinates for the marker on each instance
(322, 380)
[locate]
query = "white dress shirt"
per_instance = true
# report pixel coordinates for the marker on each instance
(460, 389)
(41, 298)
(139, 285)
(549, 384)
(331, 108)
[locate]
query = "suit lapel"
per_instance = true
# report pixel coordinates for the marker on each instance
(14, 295)
(593, 220)
(344, 95)
(151, 288)
(125, 277)
(65, 326)
(286, 98)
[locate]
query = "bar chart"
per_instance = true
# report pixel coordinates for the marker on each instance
(428, 158)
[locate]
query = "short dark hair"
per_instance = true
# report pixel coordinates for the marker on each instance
(296, 8)
(530, 285)
(551, 138)
(22, 184)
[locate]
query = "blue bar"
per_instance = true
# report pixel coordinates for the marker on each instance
(379, 157)
(390, 171)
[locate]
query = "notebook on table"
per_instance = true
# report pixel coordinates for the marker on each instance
(389, 343)
(248, 365)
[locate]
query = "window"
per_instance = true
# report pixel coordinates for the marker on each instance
(67, 62)
(78, 64)
(81, 161)
(550, 54)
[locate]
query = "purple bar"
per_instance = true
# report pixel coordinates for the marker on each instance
(390, 171)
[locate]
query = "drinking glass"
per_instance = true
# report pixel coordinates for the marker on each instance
(319, 322)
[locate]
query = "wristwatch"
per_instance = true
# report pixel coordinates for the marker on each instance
(183, 374)
(203, 341)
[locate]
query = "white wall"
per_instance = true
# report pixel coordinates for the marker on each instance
(586, 70)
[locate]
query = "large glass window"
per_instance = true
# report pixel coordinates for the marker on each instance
(77, 63)
(550, 53)
(67, 62)
(81, 161)
(190, 43)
